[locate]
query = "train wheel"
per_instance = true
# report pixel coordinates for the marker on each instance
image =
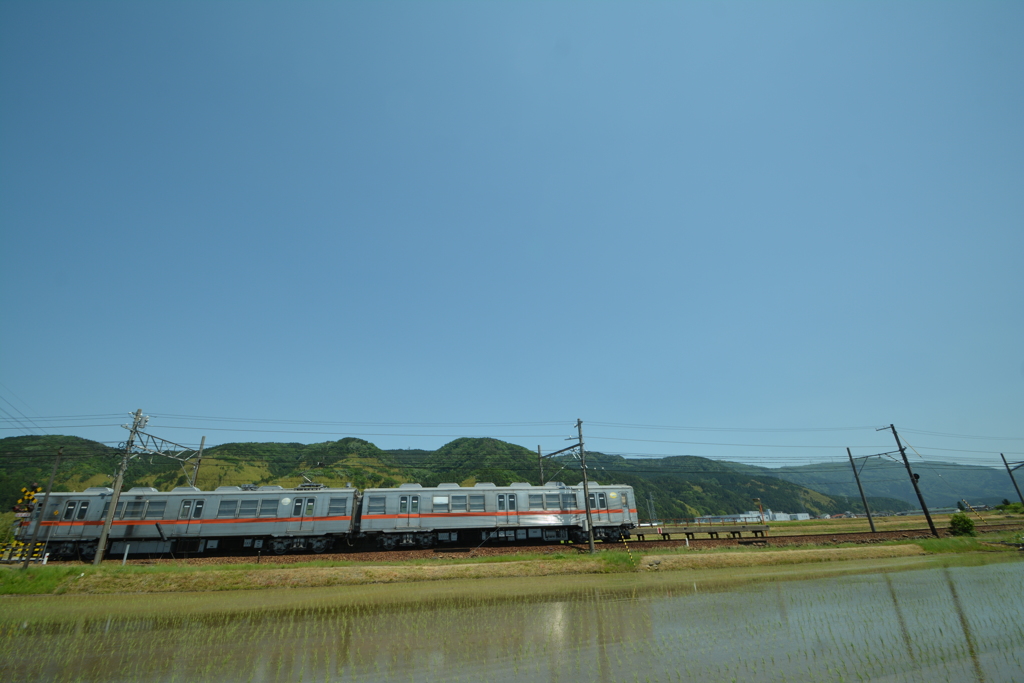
(388, 542)
(426, 540)
(280, 547)
(319, 545)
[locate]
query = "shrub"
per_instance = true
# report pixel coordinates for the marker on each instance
(961, 525)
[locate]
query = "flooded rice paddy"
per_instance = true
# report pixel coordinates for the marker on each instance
(916, 619)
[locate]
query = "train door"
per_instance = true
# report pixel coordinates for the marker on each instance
(70, 523)
(190, 516)
(599, 506)
(409, 510)
(507, 509)
(302, 518)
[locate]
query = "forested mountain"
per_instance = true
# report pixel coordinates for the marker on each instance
(941, 484)
(28, 459)
(680, 487)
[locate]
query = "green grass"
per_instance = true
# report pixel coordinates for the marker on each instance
(56, 578)
(50, 579)
(37, 580)
(968, 544)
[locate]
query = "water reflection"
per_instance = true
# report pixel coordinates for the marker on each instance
(904, 632)
(657, 628)
(965, 626)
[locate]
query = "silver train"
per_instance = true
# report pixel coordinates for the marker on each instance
(315, 518)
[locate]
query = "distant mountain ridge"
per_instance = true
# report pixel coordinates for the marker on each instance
(941, 484)
(680, 487)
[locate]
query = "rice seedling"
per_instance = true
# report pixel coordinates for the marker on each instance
(952, 617)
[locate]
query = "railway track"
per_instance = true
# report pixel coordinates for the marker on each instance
(373, 555)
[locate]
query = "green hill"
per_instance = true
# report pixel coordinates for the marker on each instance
(688, 486)
(681, 487)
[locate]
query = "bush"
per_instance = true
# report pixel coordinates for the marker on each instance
(961, 525)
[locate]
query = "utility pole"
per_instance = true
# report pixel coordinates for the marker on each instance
(199, 459)
(1010, 472)
(586, 487)
(137, 424)
(650, 507)
(913, 480)
(42, 510)
(540, 464)
(860, 488)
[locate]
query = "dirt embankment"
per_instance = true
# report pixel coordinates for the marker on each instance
(781, 557)
(309, 577)
(252, 578)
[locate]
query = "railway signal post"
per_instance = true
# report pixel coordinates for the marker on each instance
(101, 547)
(42, 509)
(1009, 470)
(913, 480)
(586, 487)
(860, 488)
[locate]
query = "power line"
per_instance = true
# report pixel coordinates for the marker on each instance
(367, 424)
(732, 429)
(965, 436)
(15, 420)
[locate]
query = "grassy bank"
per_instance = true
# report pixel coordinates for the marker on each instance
(172, 578)
(813, 527)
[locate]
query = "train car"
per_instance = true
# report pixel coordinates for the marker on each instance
(187, 520)
(416, 516)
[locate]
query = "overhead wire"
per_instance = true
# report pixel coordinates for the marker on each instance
(730, 429)
(4, 386)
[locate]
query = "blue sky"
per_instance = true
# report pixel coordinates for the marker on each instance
(435, 219)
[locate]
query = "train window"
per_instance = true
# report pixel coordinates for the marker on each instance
(536, 501)
(156, 509)
(625, 503)
(511, 502)
(403, 505)
(248, 507)
(227, 508)
(297, 508)
(501, 502)
(197, 509)
(458, 503)
(337, 506)
(376, 506)
(551, 500)
(186, 508)
(440, 503)
(268, 507)
(476, 503)
(414, 505)
(82, 509)
(69, 510)
(569, 501)
(133, 510)
(593, 501)
(310, 502)
(602, 501)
